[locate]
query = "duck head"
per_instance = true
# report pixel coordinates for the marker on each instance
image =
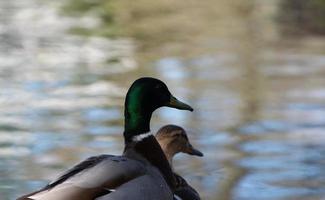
(173, 139)
(143, 97)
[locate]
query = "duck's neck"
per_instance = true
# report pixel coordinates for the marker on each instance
(136, 124)
(150, 150)
(167, 151)
(148, 147)
(170, 159)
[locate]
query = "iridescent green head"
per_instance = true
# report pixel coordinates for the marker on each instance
(144, 96)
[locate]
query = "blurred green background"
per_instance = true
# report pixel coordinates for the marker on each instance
(254, 71)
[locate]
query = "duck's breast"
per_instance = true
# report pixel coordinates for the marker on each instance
(151, 186)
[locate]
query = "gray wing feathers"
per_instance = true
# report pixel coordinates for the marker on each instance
(91, 178)
(109, 173)
(86, 164)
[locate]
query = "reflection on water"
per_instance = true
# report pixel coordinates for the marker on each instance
(56, 102)
(259, 101)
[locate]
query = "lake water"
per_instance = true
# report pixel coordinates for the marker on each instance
(259, 99)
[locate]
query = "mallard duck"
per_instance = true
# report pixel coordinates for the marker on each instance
(173, 139)
(141, 173)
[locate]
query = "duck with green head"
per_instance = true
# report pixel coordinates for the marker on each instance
(141, 173)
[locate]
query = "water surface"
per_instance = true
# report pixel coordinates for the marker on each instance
(259, 99)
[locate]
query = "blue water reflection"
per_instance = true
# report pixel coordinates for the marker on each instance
(259, 113)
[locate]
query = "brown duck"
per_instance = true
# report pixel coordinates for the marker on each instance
(141, 173)
(173, 139)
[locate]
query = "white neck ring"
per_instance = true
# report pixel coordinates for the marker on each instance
(140, 137)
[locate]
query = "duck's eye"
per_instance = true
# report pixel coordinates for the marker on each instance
(158, 87)
(177, 134)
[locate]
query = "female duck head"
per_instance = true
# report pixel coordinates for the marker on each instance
(173, 140)
(144, 96)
